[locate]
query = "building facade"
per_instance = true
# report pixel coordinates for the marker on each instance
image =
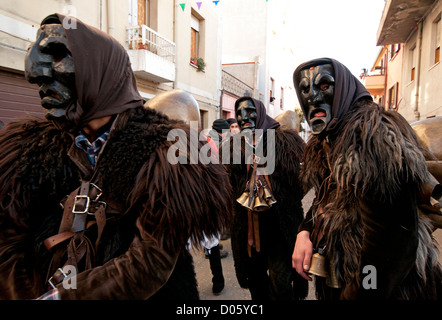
(384, 79)
(260, 52)
(416, 26)
(162, 38)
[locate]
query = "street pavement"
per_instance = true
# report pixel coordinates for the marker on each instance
(232, 290)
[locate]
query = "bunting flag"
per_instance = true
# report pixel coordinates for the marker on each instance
(199, 3)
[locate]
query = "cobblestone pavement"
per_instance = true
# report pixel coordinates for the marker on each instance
(232, 290)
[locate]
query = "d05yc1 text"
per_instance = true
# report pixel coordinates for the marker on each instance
(238, 309)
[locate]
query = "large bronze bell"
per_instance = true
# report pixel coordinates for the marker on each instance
(260, 204)
(318, 266)
(268, 196)
(244, 199)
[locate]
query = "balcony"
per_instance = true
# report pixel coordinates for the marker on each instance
(375, 84)
(400, 18)
(152, 56)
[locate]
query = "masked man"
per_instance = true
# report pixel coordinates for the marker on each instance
(127, 212)
(264, 173)
(369, 174)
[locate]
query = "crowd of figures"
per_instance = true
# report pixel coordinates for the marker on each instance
(128, 215)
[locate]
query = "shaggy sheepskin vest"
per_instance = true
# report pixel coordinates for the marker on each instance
(277, 225)
(367, 178)
(36, 173)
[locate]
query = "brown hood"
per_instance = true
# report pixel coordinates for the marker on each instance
(348, 90)
(263, 121)
(104, 79)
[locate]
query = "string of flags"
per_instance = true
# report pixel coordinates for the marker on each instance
(199, 3)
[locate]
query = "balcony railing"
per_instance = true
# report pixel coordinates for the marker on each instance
(142, 37)
(152, 56)
(235, 86)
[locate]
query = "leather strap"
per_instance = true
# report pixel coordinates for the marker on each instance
(249, 232)
(253, 239)
(81, 207)
(57, 239)
(100, 218)
(256, 231)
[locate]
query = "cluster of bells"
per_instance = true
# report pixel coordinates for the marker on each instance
(261, 199)
(320, 267)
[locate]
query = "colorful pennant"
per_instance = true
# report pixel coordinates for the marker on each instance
(199, 3)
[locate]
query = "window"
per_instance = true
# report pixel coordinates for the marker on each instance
(143, 12)
(272, 90)
(204, 118)
(392, 96)
(435, 40)
(281, 100)
(411, 62)
(194, 39)
(394, 49)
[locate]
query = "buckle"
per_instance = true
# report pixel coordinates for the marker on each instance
(50, 279)
(97, 205)
(76, 202)
(100, 192)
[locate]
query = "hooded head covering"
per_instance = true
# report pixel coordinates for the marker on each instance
(263, 121)
(348, 89)
(104, 81)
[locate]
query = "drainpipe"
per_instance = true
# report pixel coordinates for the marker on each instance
(175, 38)
(111, 17)
(386, 61)
(418, 77)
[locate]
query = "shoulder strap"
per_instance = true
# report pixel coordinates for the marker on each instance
(82, 202)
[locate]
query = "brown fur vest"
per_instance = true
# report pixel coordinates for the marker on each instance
(174, 203)
(367, 177)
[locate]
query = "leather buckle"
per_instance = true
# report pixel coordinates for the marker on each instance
(78, 200)
(62, 273)
(99, 194)
(97, 205)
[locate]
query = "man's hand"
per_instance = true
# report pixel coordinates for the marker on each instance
(302, 254)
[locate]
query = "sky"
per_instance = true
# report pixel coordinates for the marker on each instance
(341, 29)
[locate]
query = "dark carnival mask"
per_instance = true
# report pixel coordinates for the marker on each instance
(316, 86)
(246, 115)
(49, 64)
